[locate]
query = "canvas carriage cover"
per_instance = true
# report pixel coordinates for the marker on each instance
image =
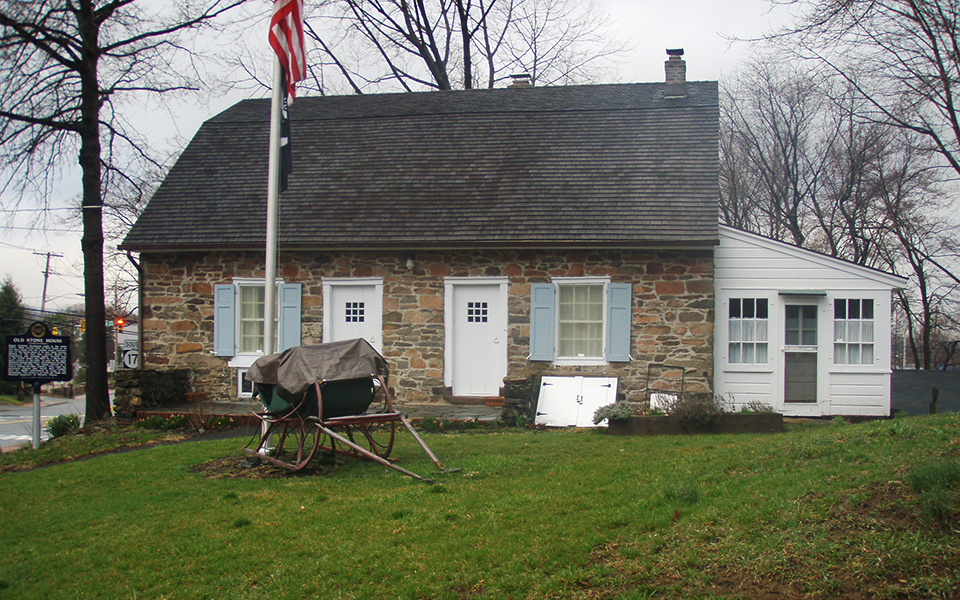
(296, 369)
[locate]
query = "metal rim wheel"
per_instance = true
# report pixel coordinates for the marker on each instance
(296, 444)
(379, 437)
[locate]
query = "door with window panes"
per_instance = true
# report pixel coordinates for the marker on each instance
(479, 340)
(800, 354)
(353, 310)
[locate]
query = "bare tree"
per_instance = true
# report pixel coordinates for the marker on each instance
(447, 44)
(925, 243)
(800, 164)
(772, 118)
(558, 42)
(66, 66)
(903, 56)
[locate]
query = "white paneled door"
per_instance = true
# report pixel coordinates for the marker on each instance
(353, 310)
(479, 344)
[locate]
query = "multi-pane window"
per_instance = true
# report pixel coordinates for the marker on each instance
(355, 312)
(853, 332)
(251, 318)
(748, 328)
(801, 325)
(250, 326)
(580, 321)
(476, 312)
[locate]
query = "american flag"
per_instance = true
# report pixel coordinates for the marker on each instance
(286, 37)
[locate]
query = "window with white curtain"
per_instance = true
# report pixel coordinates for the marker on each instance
(748, 331)
(853, 331)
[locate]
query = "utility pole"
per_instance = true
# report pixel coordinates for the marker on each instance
(46, 276)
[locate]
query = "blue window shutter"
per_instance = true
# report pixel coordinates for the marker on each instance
(619, 317)
(542, 320)
(224, 320)
(288, 329)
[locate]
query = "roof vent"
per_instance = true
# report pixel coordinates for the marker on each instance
(521, 80)
(676, 72)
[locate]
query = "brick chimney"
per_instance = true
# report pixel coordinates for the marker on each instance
(676, 71)
(521, 80)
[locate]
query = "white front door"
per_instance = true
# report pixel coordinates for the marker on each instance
(477, 339)
(353, 309)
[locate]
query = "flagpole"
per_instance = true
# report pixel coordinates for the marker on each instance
(273, 194)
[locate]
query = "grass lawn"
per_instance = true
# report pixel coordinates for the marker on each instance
(12, 400)
(828, 510)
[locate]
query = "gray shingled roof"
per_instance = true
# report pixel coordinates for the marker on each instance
(586, 166)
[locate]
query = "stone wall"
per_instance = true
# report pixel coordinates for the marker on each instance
(139, 389)
(673, 307)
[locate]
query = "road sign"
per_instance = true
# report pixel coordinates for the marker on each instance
(38, 356)
(130, 359)
(129, 353)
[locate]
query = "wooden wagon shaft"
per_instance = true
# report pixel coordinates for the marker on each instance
(370, 455)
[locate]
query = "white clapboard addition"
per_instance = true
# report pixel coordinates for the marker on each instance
(572, 401)
(807, 334)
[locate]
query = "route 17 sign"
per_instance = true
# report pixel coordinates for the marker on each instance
(38, 356)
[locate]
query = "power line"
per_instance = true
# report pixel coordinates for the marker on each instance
(44, 229)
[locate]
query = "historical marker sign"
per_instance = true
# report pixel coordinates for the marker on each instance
(38, 356)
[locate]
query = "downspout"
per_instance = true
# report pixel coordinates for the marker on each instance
(139, 269)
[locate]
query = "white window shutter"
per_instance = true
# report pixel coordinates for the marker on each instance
(224, 320)
(288, 328)
(619, 317)
(542, 321)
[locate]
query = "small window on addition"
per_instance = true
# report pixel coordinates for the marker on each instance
(853, 332)
(748, 329)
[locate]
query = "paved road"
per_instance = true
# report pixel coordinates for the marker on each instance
(16, 422)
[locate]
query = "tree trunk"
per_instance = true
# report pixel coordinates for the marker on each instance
(98, 399)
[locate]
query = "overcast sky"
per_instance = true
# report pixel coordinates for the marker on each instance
(698, 26)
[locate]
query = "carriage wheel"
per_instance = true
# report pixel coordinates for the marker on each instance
(378, 438)
(296, 443)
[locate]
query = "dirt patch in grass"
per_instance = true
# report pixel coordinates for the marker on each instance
(238, 467)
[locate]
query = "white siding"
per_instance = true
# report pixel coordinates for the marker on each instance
(860, 393)
(750, 266)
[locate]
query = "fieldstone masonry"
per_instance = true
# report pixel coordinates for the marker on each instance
(139, 389)
(673, 304)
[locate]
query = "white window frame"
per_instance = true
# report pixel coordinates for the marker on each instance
(559, 360)
(243, 360)
(843, 338)
(801, 347)
(240, 392)
(756, 323)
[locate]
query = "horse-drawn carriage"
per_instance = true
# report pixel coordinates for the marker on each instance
(328, 398)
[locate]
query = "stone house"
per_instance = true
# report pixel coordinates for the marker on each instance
(475, 237)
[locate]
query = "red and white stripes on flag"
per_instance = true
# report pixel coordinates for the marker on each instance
(286, 37)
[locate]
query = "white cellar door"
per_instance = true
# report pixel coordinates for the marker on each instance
(572, 401)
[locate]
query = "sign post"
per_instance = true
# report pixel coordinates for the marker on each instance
(38, 357)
